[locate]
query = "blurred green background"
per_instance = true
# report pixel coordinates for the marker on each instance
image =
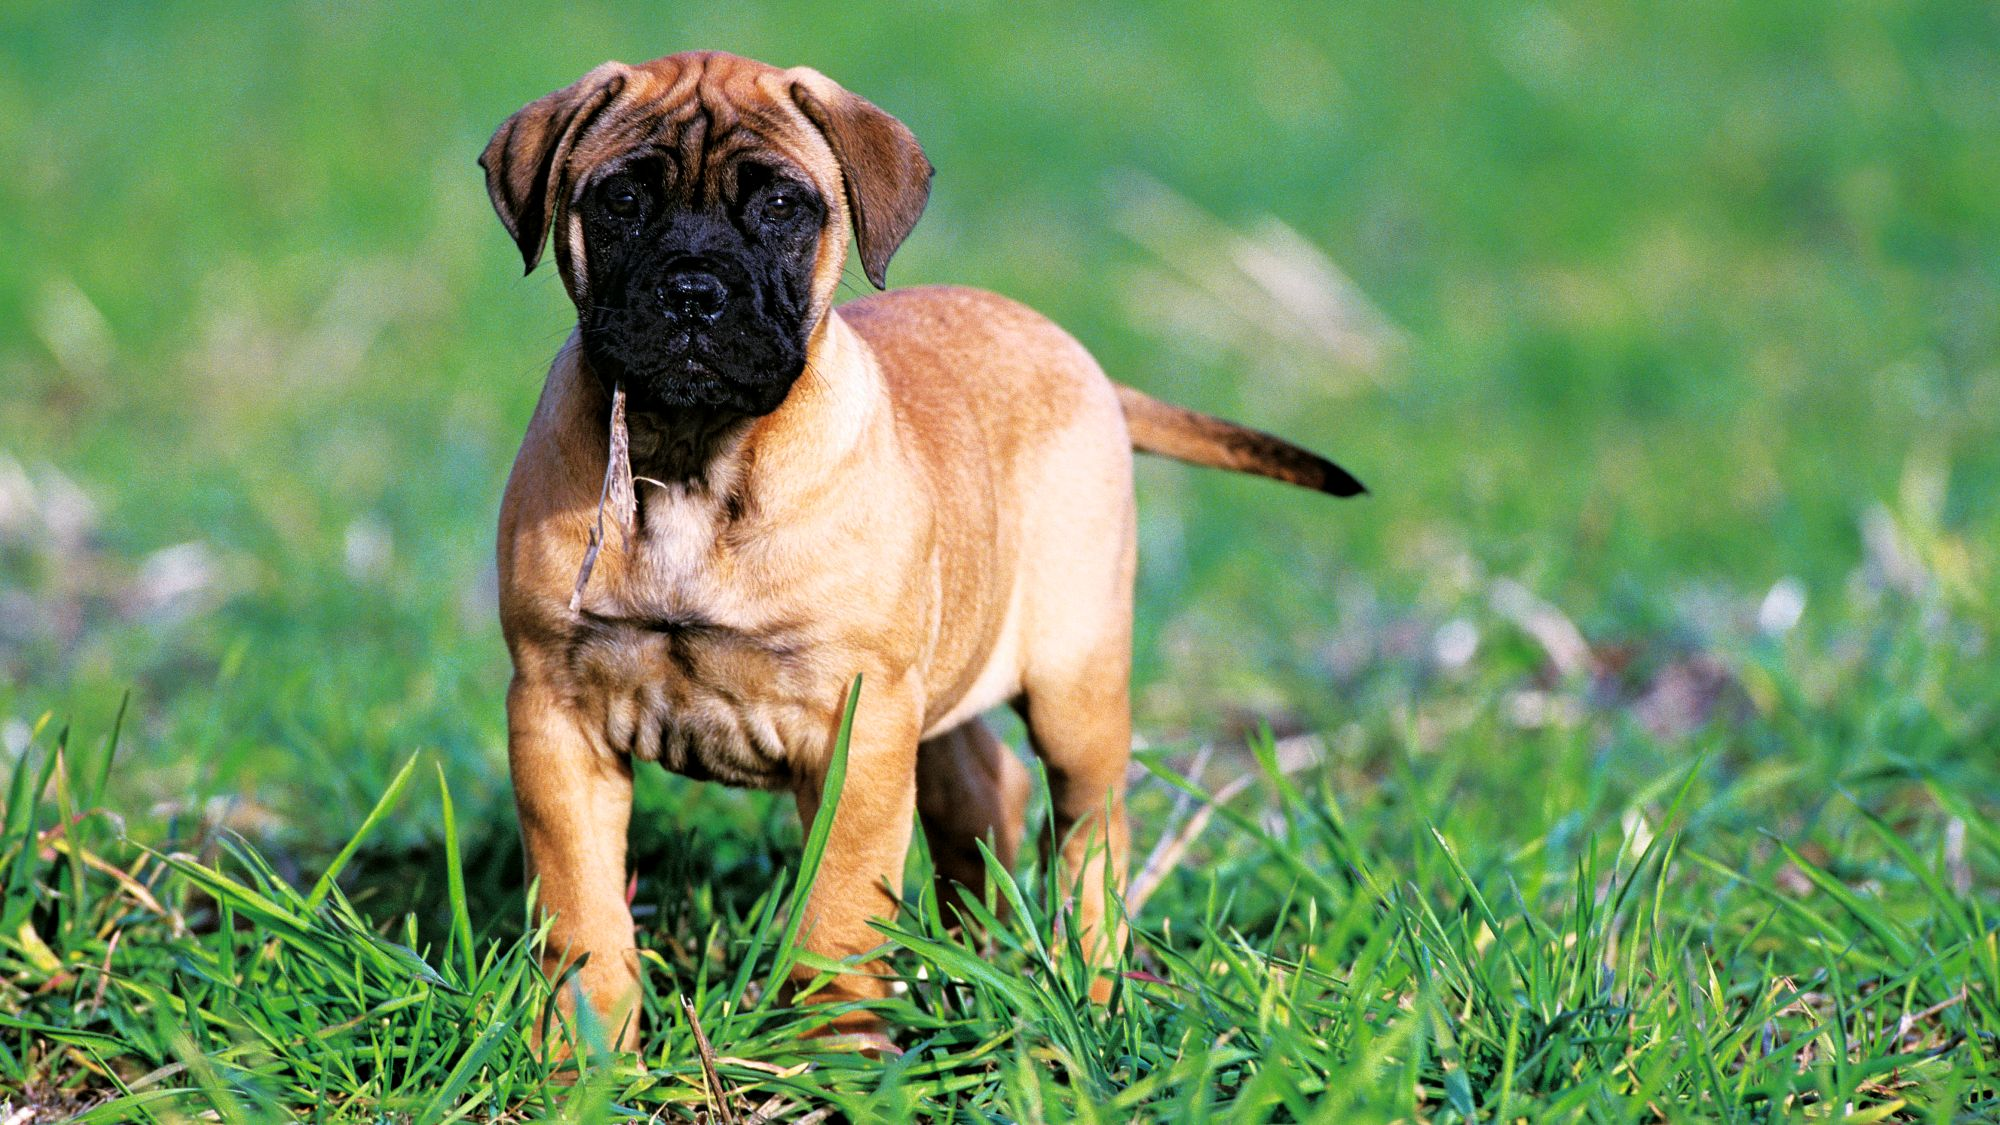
(1672, 329)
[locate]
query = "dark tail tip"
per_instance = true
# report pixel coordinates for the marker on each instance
(1336, 481)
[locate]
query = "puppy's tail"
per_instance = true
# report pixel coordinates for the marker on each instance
(1199, 439)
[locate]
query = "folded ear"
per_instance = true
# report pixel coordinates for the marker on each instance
(887, 177)
(525, 159)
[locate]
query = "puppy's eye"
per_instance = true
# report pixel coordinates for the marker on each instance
(621, 196)
(781, 205)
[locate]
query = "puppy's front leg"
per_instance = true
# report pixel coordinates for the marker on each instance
(575, 800)
(860, 874)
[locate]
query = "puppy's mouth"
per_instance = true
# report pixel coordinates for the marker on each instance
(689, 366)
(683, 374)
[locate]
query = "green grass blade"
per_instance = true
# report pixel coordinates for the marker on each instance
(815, 847)
(383, 806)
(454, 866)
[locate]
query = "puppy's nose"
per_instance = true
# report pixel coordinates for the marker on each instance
(694, 294)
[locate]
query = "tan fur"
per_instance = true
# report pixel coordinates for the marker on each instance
(943, 505)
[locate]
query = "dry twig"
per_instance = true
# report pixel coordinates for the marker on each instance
(718, 1098)
(617, 494)
(1293, 754)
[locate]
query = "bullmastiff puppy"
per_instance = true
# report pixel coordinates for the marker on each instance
(734, 498)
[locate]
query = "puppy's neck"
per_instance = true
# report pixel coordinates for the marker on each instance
(684, 447)
(730, 462)
(828, 414)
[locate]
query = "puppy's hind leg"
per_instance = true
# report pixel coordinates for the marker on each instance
(1077, 662)
(970, 789)
(1080, 723)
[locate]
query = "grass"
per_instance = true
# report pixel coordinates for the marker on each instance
(1628, 755)
(1743, 944)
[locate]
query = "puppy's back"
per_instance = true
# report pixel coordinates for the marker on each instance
(980, 367)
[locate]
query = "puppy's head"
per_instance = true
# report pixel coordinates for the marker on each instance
(700, 205)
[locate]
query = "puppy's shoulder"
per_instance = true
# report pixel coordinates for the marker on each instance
(919, 306)
(974, 327)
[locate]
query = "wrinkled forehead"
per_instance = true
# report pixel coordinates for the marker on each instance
(706, 115)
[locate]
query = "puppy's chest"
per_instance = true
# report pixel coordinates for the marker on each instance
(698, 696)
(683, 666)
